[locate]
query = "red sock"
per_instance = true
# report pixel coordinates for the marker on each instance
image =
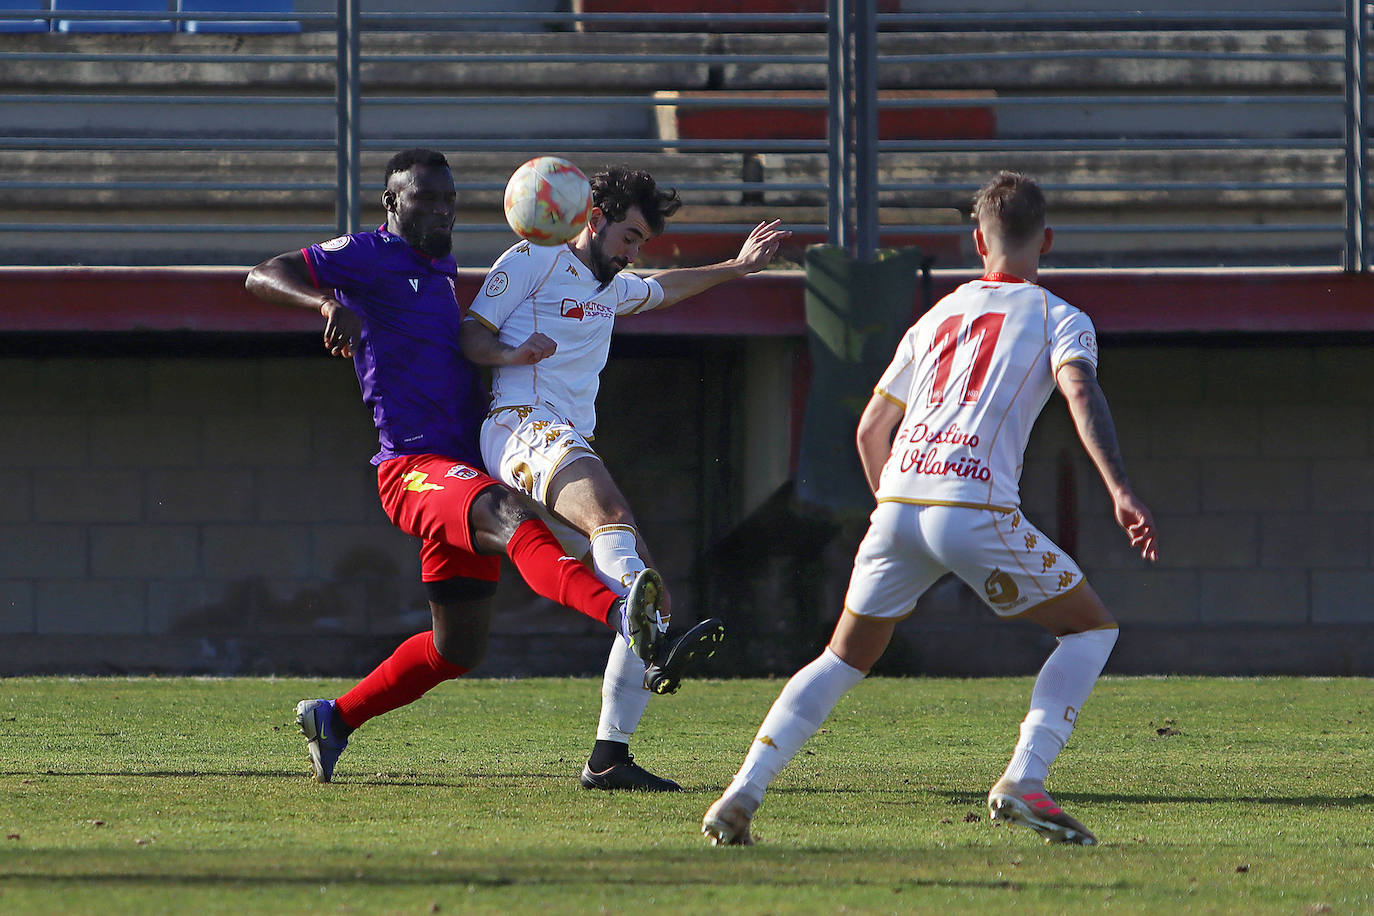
(542, 563)
(411, 671)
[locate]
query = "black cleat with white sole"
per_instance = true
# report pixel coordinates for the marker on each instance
(678, 658)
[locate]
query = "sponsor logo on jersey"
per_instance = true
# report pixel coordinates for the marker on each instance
(1002, 591)
(335, 244)
(573, 270)
(497, 283)
(461, 471)
(590, 308)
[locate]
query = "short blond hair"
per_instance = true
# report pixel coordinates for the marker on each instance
(1011, 205)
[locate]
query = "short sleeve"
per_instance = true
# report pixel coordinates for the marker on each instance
(344, 263)
(636, 294)
(895, 383)
(512, 279)
(1073, 338)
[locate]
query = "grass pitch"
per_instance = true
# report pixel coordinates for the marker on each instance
(159, 795)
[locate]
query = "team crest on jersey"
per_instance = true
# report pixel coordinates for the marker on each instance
(461, 471)
(335, 244)
(1088, 341)
(497, 283)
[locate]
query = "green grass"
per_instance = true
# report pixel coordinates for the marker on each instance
(191, 795)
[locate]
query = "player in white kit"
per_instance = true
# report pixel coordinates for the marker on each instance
(966, 384)
(543, 321)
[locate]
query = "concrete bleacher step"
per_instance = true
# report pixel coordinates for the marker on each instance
(924, 61)
(1161, 186)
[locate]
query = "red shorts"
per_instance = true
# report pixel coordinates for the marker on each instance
(429, 496)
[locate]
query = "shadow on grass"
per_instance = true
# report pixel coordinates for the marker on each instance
(779, 867)
(1300, 801)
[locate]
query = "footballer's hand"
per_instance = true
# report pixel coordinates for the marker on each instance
(535, 348)
(1135, 519)
(761, 245)
(342, 328)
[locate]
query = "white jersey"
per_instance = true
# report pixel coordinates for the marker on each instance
(547, 289)
(972, 375)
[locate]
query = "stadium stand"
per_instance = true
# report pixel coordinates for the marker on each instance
(1138, 134)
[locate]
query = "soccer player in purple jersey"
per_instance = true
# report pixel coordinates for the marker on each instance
(388, 301)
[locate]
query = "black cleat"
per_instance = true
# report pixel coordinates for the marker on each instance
(627, 775)
(676, 659)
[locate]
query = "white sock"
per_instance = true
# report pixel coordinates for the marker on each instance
(623, 697)
(1061, 688)
(615, 556)
(796, 714)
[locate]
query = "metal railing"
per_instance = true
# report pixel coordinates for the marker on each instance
(851, 184)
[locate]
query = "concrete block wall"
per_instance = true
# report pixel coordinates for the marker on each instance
(218, 514)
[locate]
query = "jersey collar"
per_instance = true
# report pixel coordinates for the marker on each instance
(996, 276)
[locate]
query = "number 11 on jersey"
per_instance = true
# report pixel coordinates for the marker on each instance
(985, 329)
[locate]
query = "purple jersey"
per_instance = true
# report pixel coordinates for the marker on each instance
(425, 396)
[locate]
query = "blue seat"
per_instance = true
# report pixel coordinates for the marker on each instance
(23, 25)
(245, 7)
(112, 24)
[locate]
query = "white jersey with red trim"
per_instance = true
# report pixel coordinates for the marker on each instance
(972, 375)
(549, 290)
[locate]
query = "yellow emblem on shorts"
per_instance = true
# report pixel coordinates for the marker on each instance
(1001, 589)
(524, 478)
(1049, 559)
(1031, 541)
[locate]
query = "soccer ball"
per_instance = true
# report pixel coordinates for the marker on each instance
(547, 200)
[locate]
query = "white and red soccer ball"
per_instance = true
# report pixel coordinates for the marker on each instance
(548, 200)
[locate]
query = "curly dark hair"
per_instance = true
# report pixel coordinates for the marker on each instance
(620, 187)
(404, 160)
(1013, 203)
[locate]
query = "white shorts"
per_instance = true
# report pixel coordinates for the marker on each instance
(524, 447)
(1005, 560)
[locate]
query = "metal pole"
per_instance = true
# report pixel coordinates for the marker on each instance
(835, 130)
(844, 122)
(347, 206)
(1356, 143)
(865, 128)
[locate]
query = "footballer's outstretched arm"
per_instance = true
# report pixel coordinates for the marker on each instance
(285, 280)
(1093, 420)
(758, 249)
